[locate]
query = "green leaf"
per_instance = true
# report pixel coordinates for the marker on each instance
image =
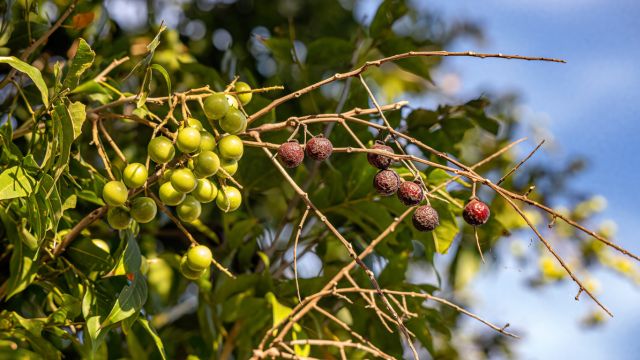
(387, 14)
(279, 311)
(129, 302)
(154, 335)
(446, 232)
(63, 129)
(167, 79)
(23, 265)
(31, 72)
(14, 183)
(80, 63)
(78, 116)
(88, 256)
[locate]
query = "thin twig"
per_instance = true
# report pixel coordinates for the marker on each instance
(520, 163)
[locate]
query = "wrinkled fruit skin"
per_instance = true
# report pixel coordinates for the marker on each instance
(380, 161)
(291, 154)
(319, 148)
(425, 218)
(410, 193)
(476, 212)
(386, 182)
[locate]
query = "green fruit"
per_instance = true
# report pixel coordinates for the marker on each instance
(231, 147)
(199, 257)
(169, 195)
(183, 180)
(207, 141)
(229, 166)
(246, 97)
(189, 209)
(188, 140)
(118, 218)
(115, 193)
(166, 176)
(216, 106)
(232, 101)
(229, 198)
(206, 164)
(194, 123)
(206, 191)
(234, 122)
(161, 150)
(134, 175)
(187, 272)
(143, 209)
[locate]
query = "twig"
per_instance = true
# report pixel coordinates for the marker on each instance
(102, 76)
(113, 144)
(520, 163)
(98, 144)
(295, 251)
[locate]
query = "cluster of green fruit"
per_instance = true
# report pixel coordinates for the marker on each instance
(199, 177)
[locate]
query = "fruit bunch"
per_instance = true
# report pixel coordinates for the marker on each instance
(200, 176)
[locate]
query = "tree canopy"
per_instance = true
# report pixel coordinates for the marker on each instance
(269, 232)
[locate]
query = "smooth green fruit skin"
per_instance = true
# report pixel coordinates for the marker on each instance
(194, 123)
(229, 199)
(134, 175)
(189, 209)
(187, 272)
(233, 102)
(229, 166)
(206, 191)
(169, 195)
(188, 140)
(206, 163)
(183, 180)
(115, 193)
(207, 141)
(161, 150)
(246, 97)
(234, 122)
(143, 209)
(231, 147)
(118, 218)
(166, 176)
(199, 257)
(216, 106)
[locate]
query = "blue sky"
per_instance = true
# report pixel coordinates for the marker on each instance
(590, 107)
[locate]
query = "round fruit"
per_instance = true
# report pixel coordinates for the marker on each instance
(291, 154)
(410, 193)
(229, 198)
(189, 209)
(246, 97)
(115, 193)
(188, 140)
(183, 180)
(230, 147)
(166, 176)
(232, 101)
(206, 164)
(425, 218)
(216, 106)
(206, 191)
(380, 161)
(229, 166)
(161, 150)
(199, 257)
(143, 209)
(476, 212)
(234, 122)
(207, 141)
(187, 272)
(134, 175)
(194, 123)
(319, 148)
(118, 218)
(169, 195)
(386, 182)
